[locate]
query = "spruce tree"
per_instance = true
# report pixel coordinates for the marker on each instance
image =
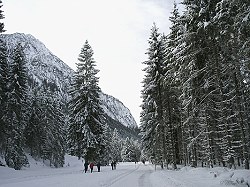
(86, 115)
(152, 123)
(107, 141)
(4, 78)
(171, 91)
(129, 151)
(13, 117)
(116, 146)
(1, 17)
(34, 129)
(45, 131)
(3, 82)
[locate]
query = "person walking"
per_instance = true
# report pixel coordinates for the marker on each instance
(112, 165)
(91, 165)
(98, 166)
(86, 164)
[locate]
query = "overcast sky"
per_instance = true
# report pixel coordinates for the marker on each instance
(117, 31)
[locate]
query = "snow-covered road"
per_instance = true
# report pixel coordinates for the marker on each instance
(126, 175)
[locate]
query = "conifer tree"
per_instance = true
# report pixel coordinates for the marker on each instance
(3, 81)
(116, 146)
(152, 123)
(129, 152)
(107, 141)
(4, 78)
(34, 130)
(45, 131)
(171, 91)
(86, 115)
(13, 118)
(1, 17)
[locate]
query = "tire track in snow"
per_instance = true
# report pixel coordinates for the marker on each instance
(172, 181)
(119, 177)
(144, 179)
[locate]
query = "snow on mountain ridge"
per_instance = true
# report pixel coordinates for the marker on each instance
(41, 63)
(117, 111)
(44, 65)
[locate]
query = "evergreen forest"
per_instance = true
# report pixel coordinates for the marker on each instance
(196, 88)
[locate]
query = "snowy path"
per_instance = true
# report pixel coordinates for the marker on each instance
(126, 175)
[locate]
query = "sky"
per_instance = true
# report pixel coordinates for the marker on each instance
(117, 30)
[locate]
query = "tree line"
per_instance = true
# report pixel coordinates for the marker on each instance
(196, 100)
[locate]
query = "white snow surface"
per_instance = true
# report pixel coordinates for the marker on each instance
(125, 175)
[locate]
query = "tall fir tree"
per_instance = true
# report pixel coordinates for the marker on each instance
(13, 117)
(152, 122)
(3, 81)
(171, 91)
(1, 17)
(4, 78)
(116, 146)
(129, 152)
(86, 115)
(45, 131)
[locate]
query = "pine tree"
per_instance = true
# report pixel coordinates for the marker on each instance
(13, 118)
(4, 75)
(86, 117)
(34, 129)
(108, 144)
(3, 83)
(115, 146)
(129, 152)
(54, 145)
(152, 124)
(1, 17)
(171, 91)
(45, 131)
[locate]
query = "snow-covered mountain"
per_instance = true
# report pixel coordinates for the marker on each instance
(45, 67)
(41, 63)
(117, 111)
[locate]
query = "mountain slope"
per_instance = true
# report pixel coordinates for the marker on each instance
(46, 68)
(117, 111)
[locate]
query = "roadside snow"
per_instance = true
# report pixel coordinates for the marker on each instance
(126, 174)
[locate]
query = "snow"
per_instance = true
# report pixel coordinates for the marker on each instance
(126, 174)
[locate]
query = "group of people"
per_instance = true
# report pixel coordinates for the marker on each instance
(113, 165)
(91, 166)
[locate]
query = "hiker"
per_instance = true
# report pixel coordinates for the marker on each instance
(91, 165)
(86, 164)
(98, 166)
(112, 165)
